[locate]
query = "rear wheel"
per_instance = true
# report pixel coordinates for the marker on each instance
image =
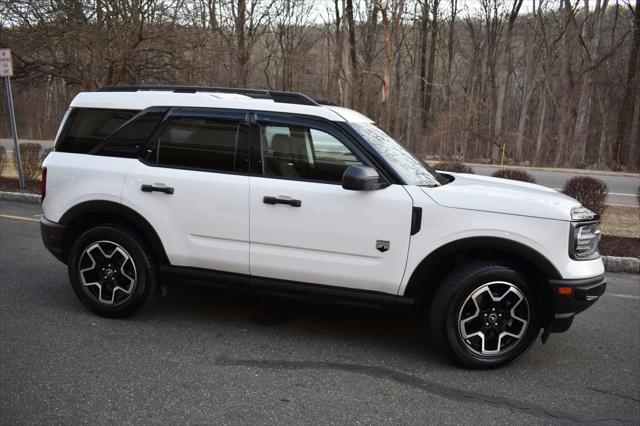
(485, 314)
(111, 271)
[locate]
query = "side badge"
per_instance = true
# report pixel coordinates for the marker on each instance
(382, 245)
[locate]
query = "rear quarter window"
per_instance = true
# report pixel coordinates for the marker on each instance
(87, 127)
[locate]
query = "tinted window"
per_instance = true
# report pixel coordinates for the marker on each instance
(197, 144)
(297, 152)
(87, 127)
(127, 141)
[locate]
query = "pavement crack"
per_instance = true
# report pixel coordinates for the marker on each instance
(415, 382)
(617, 395)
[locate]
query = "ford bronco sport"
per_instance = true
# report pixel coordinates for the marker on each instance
(267, 192)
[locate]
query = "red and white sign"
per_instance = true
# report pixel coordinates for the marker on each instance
(6, 66)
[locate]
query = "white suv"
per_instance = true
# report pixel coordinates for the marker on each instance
(273, 193)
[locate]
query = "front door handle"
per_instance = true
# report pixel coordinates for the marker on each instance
(287, 201)
(151, 188)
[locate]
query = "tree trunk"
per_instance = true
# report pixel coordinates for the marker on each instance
(242, 54)
(518, 152)
(503, 80)
(633, 158)
(537, 158)
(428, 100)
(354, 77)
(591, 44)
(630, 100)
(565, 108)
(424, 36)
(388, 63)
(338, 54)
(450, 43)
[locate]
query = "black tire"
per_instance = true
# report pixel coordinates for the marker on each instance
(455, 293)
(140, 266)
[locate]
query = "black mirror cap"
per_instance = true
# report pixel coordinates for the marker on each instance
(361, 178)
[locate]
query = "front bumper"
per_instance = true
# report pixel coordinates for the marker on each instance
(571, 297)
(52, 234)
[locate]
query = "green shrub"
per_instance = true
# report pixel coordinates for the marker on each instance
(453, 166)
(31, 158)
(591, 192)
(514, 174)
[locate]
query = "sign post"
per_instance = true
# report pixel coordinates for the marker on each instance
(6, 71)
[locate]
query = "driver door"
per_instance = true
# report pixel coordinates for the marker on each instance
(305, 227)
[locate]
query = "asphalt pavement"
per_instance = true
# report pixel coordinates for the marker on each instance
(196, 356)
(622, 187)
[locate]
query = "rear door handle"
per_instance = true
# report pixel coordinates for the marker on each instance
(151, 188)
(287, 201)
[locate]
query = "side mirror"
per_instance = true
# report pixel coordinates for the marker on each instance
(361, 178)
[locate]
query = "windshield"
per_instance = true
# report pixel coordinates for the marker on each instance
(412, 170)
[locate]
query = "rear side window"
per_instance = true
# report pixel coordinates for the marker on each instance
(87, 127)
(128, 140)
(196, 143)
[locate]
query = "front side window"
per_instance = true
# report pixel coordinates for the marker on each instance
(196, 143)
(299, 152)
(409, 167)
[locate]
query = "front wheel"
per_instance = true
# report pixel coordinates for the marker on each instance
(111, 271)
(485, 314)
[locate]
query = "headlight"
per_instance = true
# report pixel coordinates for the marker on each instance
(586, 237)
(583, 213)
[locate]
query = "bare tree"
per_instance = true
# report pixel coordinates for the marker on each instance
(428, 96)
(504, 75)
(626, 144)
(554, 84)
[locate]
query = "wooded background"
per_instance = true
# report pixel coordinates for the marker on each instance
(538, 82)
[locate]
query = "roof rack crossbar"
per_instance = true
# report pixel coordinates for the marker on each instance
(277, 96)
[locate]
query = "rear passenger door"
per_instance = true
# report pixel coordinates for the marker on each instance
(192, 186)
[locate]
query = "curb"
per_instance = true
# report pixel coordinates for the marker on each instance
(629, 265)
(20, 196)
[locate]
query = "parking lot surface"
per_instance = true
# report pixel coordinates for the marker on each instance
(196, 356)
(622, 188)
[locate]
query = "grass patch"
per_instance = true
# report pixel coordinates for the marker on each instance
(10, 172)
(10, 167)
(621, 221)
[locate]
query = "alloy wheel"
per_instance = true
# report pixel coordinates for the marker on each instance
(107, 272)
(493, 318)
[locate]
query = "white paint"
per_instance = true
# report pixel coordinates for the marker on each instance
(474, 192)
(220, 222)
(145, 99)
(442, 225)
(203, 224)
(76, 178)
(331, 238)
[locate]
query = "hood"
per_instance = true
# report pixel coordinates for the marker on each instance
(506, 196)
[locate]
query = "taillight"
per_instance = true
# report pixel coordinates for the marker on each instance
(43, 185)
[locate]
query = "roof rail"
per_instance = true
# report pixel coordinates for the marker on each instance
(281, 97)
